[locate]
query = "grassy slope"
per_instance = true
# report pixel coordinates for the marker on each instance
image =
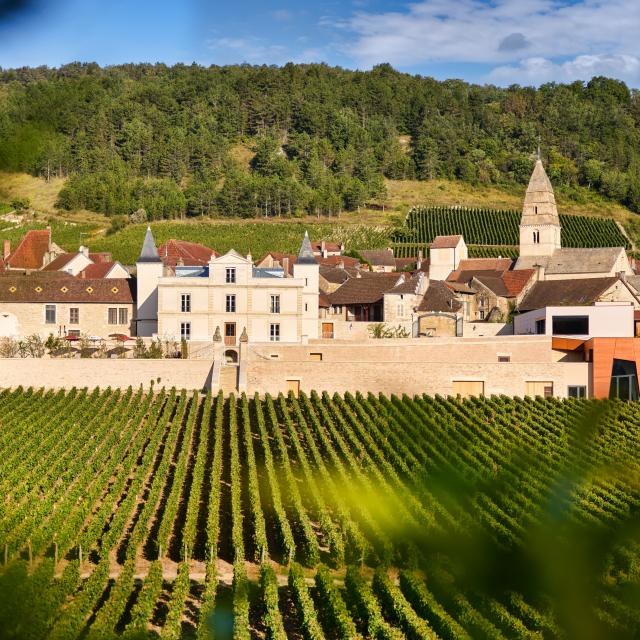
(258, 237)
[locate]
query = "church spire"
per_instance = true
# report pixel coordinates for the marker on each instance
(305, 255)
(539, 200)
(149, 251)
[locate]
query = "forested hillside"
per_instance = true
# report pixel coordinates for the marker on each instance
(321, 139)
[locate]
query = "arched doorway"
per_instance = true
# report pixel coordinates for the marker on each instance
(231, 356)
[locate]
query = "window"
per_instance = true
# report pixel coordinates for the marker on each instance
(534, 389)
(535, 209)
(185, 303)
(316, 357)
(541, 327)
(50, 313)
(306, 307)
(274, 333)
(400, 310)
(570, 325)
(113, 315)
(504, 358)
(536, 237)
(230, 275)
(74, 333)
(481, 314)
(230, 305)
(74, 315)
(275, 304)
(123, 316)
(624, 380)
(577, 391)
(185, 331)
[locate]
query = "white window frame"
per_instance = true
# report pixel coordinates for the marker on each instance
(230, 303)
(71, 310)
(275, 303)
(123, 316)
(230, 275)
(582, 390)
(274, 332)
(185, 331)
(47, 309)
(113, 310)
(185, 303)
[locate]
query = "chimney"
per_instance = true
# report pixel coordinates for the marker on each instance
(7, 249)
(49, 230)
(285, 266)
(419, 260)
(249, 258)
(84, 251)
(323, 248)
(83, 274)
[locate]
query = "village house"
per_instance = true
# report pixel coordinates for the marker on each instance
(65, 306)
(34, 252)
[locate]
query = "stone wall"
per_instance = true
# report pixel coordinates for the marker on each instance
(118, 373)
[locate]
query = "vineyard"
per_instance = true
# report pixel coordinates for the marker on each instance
(499, 227)
(132, 514)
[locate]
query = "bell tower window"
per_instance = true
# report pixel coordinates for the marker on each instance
(536, 237)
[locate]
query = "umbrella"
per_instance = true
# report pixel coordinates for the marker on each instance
(121, 337)
(71, 338)
(94, 339)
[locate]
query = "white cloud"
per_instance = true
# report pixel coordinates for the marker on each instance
(535, 71)
(254, 50)
(590, 34)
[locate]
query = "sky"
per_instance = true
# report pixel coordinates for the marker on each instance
(503, 42)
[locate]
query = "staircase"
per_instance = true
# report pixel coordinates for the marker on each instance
(229, 378)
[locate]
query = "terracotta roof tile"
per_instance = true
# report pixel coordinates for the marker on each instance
(486, 264)
(379, 257)
(60, 262)
(192, 254)
(334, 261)
(329, 246)
(99, 270)
(29, 254)
(36, 288)
(516, 281)
(101, 256)
(445, 242)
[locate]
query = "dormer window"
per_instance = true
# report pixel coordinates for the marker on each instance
(536, 237)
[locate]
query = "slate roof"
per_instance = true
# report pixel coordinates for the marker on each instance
(29, 254)
(379, 257)
(366, 289)
(192, 254)
(305, 255)
(558, 293)
(594, 260)
(149, 251)
(445, 242)
(39, 288)
(438, 297)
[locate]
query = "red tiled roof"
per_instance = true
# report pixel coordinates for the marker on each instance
(445, 242)
(192, 254)
(379, 257)
(516, 281)
(29, 254)
(329, 246)
(99, 270)
(39, 288)
(485, 264)
(101, 256)
(323, 300)
(60, 262)
(334, 261)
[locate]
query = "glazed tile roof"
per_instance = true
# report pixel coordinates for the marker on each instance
(39, 288)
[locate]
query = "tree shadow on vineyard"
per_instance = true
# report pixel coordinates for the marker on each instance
(561, 558)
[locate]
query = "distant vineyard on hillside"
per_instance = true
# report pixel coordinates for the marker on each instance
(128, 514)
(411, 249)
(500, 227)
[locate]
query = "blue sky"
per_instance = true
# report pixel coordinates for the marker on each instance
(498, 41)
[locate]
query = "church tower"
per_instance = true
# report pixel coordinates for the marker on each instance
(306, 268)
(149, 270)
(540, 224)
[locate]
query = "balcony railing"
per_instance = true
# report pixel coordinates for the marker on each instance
(327, 335)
